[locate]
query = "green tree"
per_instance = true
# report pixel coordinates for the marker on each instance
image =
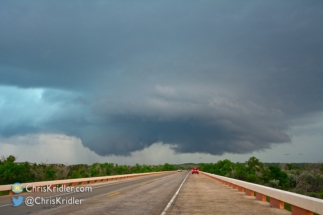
(95, 170)
(240, 172)
(76, 174)
(50, 173)
(167, 167)
(11, 172)
(277, 174)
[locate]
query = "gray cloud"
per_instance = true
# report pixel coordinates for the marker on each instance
(209, 77)
(195, 124)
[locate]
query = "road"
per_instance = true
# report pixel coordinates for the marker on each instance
(143, 195)
(167, 194)
(203, 195)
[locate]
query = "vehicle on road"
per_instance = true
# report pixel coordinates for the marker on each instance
(179, 170)
(195, 170)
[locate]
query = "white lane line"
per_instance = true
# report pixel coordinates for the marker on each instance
(171, 201)
(5, 205)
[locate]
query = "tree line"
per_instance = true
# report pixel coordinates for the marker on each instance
(11, 172)
(304, 179)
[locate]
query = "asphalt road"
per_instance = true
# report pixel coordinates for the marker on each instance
(203, 195)
(143, 195)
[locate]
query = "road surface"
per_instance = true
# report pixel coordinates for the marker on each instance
(168, 194)
(142, 195)
(203, 195)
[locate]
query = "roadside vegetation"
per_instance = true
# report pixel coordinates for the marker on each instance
(11, 172)
(306, 179)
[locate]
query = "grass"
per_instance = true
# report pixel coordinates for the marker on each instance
(4, 193)
(287, 207)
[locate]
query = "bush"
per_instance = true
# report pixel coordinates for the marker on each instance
(76, 174)
(11, 172)
(273, 183)
(252, 178)
(291, 180)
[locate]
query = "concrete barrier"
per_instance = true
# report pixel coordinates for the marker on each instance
(76, 182)
(300, 204)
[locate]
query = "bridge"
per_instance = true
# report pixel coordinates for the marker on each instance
(160, 193)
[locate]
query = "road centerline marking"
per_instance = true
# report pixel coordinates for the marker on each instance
(96, 186)
(113, 194)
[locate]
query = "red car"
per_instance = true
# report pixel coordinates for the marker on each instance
(195, 170)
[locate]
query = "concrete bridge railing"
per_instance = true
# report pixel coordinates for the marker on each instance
(300, 204)
(78, 181)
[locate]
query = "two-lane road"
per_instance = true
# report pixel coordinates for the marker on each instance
(167, 193)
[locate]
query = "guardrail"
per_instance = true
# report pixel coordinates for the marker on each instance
(78, 181)
(300, 204)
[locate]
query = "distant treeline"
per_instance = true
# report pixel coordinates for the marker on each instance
(11, 172)
(305, 179)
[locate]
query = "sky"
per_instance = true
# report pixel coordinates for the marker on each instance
(161, 81)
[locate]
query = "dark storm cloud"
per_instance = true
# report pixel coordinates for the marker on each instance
(210, 124)
(206, 76)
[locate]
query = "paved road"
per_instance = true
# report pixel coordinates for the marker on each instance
(143, 195)
(152, 195)
(203, 195)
